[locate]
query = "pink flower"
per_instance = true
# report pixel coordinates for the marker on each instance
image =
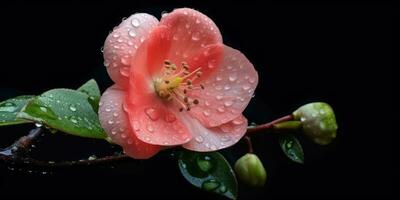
(176, 83)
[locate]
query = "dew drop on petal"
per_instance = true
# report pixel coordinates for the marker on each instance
(246, 87)
(124, 71)
(196, 36)
(206, 113)
(152, 113)
(232, 77)
(228, 103)
(136, 126)
(150, 128)
(135, 22)
(219, 97)
(132, 33)
(199, 139)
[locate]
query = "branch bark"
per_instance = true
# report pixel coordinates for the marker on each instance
(15, 153)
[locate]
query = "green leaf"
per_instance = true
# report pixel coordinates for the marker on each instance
(209, 171)
(66, 110)
(92, 90)
(292, 148)
(10, 108)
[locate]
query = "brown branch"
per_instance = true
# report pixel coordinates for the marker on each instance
(14, 154)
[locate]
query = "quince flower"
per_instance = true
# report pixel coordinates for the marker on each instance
(176, 83)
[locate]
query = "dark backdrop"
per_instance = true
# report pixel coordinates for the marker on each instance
(337, 53)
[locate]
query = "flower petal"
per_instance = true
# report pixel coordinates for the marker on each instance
(186, 31)
(227, 91)
(153, 120)
(215, 138)
(155, 123)
(114, 121)
(121, 45)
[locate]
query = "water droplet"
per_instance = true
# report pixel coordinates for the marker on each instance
(246, 87)
(221, 109)
(222, 189)
(38, 125)
(218, 78)
(219, 97)
(197, 21)
(185, 12)
(135, 22)
(213, 147)
(228, 103)
(125, 61)
(113, 132)
(132, 33)
(73, 120)
(238, 121)
(204, 163)
(136, 126)
(150, 128)
(225, 138)
(141, 40)
(123, 136)
(110, 122)
(210, 185)
(196, 36)
(92, 157)
(43, 109)
(218, 87)
(130, 141)
(107, 109)
(124, 71)
(102, 49)
(72, 108)
(206, 113)
(211, 64)
(116, 35)
(152, 113)
(232, 77)
(207, 103)
(170, 117)
(199, 139)
(115, 114)
(252, 80)
(227, 87)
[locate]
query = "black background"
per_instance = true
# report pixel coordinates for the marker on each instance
(337, 53)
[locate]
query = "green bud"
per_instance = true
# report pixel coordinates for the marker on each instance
(319, 122)
(250, 170)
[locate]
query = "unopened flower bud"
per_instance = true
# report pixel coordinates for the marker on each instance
(318, 121)
(250, 170)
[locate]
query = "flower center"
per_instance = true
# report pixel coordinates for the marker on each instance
(174, 84)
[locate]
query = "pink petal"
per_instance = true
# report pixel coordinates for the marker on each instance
(185, 33)
(153, 120)
(155, 123)
(121, 45)
(215, 138)
(114, 121)
(227, 92)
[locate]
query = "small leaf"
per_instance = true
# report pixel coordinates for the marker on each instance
(209, 171)
(92, 90)
(10, 108)
(292, 148)
(66, 110)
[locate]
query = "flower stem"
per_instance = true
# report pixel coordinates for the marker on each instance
(269, 125)
(249, 144)
(15, 153)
